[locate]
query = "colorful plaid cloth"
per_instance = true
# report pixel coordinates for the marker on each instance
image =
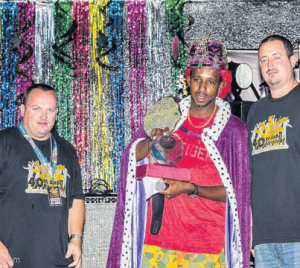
(157, 257)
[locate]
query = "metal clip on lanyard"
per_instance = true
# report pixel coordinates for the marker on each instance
(51, 167)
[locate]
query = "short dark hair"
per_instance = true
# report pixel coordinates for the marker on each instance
(286, 43)
(42, 87)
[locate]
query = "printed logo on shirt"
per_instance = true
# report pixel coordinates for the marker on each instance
(39, 179)
(196, 150)
(270, 135)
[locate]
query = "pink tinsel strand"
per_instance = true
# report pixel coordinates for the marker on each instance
(137, 60)
(175, 47)
(81, 87)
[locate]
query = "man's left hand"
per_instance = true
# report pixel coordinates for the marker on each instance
(74, 249)
(176, 188)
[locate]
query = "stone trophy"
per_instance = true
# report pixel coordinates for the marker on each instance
(167, 149)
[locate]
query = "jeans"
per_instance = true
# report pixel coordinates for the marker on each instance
(277, 255)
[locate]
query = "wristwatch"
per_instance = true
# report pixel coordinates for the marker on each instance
(77, 236)
(195, 192)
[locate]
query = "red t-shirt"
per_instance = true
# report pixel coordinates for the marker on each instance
(195, 225)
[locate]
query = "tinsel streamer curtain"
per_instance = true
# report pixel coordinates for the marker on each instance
(44, 39)
(102, 87)
(174, 10)
(137, 61)
(9, 19)
(102, 144)
(158, 74)
(81, 90)
(63, 69)
(24, 47)
(117, 120)
(127, 108)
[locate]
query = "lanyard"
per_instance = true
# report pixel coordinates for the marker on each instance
(50, 167)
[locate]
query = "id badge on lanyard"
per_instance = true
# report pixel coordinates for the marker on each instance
(54, 195)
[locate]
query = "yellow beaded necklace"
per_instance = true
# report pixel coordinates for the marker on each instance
(206, 123)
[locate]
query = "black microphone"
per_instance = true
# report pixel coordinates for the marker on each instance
(161, 186)
(158, 203)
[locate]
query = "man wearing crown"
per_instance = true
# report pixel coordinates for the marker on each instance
(206, 222)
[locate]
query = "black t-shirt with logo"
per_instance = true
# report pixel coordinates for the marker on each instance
(35, 234)
(274, 141)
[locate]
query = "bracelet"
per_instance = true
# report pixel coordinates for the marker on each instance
(77, 236)
(195, 192)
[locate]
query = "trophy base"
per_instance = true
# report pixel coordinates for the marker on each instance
(164, 172)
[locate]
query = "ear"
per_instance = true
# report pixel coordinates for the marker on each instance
(293, 60)
(188, 80)
(22, 110)
(220, 88)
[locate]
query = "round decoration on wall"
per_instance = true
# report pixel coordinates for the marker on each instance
(244, 75)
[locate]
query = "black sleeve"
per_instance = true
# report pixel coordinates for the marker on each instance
(249, 126)
(5, 150)
(77, 180)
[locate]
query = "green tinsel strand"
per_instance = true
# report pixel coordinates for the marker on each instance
(175, 18)
(63, 72)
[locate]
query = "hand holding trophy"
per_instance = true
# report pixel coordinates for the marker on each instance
(166, 148)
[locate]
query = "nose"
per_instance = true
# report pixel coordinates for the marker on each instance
(270, 64)
(43, 115)
(202, 86)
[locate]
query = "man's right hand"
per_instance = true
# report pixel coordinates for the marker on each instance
(143, 147)
(158, 132)
(5, 258)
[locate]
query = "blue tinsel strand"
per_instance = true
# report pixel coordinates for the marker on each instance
(114, 32)
(8, 87)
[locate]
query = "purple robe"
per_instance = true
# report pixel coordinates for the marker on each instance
(233, 148)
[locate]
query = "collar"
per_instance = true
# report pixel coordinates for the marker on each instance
(220, 119)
